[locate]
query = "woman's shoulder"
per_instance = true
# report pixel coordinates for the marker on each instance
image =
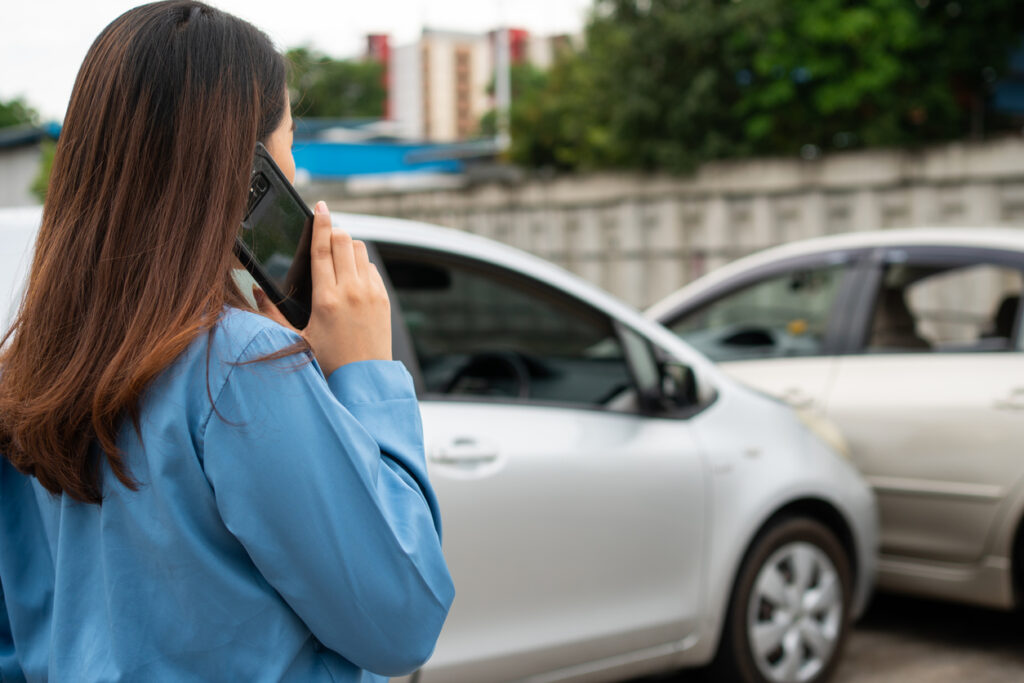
(246, 335)
(239, 342)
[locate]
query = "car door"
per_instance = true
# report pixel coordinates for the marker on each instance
(775, 328)
(573, 522)
(931, 395)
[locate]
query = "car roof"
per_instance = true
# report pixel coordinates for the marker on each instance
(1007, 239)
(384, 230)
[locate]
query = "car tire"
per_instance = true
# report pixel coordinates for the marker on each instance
(788, 615)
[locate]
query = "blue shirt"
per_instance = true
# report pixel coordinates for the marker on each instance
(286, 532)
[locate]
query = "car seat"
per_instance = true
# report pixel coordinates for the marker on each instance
(1006, 316)
(894, 326)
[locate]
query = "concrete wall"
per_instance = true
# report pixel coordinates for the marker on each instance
(641, 237)
(19, 167)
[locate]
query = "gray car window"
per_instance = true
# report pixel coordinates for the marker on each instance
(784, 315)
(483, 332)
(955, 307)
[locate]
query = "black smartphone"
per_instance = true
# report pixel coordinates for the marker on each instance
(273, 242)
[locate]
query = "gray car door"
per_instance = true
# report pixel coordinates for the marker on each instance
(931, 397)
(572, 520)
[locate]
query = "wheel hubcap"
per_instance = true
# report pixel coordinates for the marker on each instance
(795, 614)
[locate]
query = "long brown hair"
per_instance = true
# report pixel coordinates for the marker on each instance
(133, 258)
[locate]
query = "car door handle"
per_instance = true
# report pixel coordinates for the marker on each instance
(1015, 401)
(464, 451)
(796, 398)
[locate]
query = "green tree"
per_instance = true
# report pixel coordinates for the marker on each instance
(542, 117)
(17, 112)
(524, 80)
(322, 86)
(837, 73)
(41, 182)
(654, 87)
(553, 121)
(668, 84)
(667, 75)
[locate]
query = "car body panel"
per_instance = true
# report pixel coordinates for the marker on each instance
(802, 383)
(753, 479)
(537, 594)
(940, 485)
(936, 434)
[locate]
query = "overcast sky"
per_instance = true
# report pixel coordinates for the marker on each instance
(43, 42)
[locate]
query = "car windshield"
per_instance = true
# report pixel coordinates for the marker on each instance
(783, 315)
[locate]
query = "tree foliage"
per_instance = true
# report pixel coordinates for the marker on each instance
(879, 72)
(322, 86)
(41, 183)
(671, 83)
(17, 112)
(546, 106)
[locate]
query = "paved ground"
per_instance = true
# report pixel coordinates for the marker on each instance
(901, 640)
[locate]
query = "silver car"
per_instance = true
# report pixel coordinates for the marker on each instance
(909, 341)
(613, 504)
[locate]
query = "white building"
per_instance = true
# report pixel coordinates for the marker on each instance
(438, 86)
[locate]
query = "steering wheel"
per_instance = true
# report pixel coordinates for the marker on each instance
(748, 336)
(494, 364)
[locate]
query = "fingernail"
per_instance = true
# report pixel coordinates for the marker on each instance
(321, 208)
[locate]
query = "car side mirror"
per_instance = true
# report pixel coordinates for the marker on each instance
(679, 386)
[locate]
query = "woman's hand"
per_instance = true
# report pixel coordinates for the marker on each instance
(351, 316)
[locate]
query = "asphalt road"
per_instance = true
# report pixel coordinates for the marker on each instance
(903, 640)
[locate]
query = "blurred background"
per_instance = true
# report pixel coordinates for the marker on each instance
(639, 143)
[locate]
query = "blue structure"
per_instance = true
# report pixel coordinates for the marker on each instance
(19, 136)
(1008, 95)
(338, 160)
(328, 160)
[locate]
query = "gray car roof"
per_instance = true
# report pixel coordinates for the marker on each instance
(1009, 239)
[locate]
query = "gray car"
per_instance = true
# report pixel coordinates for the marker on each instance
(909, 341)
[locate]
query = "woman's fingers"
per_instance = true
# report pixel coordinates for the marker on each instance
(350, 320)
(344, 255)
(369, 275)
(361, 258)
(320, 252)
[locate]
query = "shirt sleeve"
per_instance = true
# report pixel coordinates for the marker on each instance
(324, 483)
(10, 669)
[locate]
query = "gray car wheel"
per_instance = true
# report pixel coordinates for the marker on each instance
(789, 613)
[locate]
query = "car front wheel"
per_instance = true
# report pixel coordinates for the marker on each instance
(788, 617)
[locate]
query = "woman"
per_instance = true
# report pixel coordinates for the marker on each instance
(189, 490)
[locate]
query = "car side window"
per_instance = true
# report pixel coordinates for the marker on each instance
(945, 307)
(783, 315)
(480, 331)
